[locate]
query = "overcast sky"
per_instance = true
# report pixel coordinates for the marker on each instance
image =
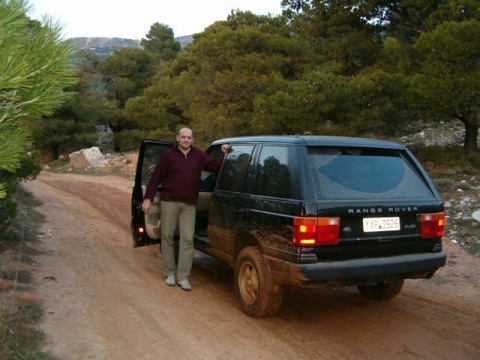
(132, 19)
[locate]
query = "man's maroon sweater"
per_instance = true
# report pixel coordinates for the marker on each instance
(179, 174)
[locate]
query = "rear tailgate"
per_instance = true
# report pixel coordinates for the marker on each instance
(382, 197)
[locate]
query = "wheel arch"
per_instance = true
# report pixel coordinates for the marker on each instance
(246, 239)
(242, 240)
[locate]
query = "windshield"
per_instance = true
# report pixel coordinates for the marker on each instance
(356, 173)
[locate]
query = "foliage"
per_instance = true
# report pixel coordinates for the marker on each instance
(161, 43)
(436, 159)
(74, 124)
(8, 206)
(36, 68)
(343, 33)
(127, 72)
(34, 64)
(216, 80)
(428, 68)
(29, 168)
(448, 81)
(341, 67)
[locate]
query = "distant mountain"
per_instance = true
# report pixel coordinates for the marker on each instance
(103, 47)
(184, 40)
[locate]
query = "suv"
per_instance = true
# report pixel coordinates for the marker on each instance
(309, 211)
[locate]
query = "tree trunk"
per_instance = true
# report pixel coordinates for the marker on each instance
(55, 151)
(470, 145)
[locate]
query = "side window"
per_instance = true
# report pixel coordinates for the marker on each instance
(150, 158)
(215, 152)
(272, 172)
(234, 171)
(208, 179)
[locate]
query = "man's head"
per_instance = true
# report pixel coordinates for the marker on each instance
(185, 138)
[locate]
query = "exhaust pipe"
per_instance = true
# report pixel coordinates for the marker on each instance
(424, 275)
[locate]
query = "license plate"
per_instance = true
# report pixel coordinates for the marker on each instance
(381, 224)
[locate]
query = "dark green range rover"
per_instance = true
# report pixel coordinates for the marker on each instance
(309, 211)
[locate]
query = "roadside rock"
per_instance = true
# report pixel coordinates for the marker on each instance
(476, 215)
(86, 158)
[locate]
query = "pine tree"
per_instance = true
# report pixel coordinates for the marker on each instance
(35, 66)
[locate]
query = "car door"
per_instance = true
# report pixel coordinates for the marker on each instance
(146, 227)
(228, 215)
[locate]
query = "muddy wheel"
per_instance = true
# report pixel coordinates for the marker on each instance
(254, 289)
(382, 290)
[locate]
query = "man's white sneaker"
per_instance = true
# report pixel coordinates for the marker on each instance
(170, 281)
(185, 285)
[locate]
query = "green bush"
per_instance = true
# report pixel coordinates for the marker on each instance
(451, 156)
(474, 160)
(8, 207)
(29, 169)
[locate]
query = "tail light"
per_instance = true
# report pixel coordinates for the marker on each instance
(432, 225)
(309, 231)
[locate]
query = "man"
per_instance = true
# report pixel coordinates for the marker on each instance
(178, 170)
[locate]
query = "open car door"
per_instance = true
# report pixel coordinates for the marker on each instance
(146, 227)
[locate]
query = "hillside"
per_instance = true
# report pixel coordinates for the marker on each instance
(103, 46)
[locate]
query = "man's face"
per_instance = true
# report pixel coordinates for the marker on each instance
(185, 139)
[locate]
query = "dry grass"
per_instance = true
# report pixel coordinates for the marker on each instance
(20, 308)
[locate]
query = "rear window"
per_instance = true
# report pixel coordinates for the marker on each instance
(358, 174)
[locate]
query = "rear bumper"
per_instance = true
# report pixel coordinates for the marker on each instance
(357, 271)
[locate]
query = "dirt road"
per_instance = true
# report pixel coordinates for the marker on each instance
(103, 299)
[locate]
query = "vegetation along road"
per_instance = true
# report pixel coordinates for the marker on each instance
(103, 299)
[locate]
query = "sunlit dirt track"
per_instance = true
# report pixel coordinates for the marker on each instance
(103, 299)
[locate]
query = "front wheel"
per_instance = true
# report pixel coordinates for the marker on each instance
(381, 290)
(254, 289)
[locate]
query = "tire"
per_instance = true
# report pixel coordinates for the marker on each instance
(381, 290)
(254, 289)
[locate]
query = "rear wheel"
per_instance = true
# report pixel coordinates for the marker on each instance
(381, 290)
(254, 289)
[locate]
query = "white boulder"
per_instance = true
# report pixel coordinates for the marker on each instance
(476, 215)
(86, 158)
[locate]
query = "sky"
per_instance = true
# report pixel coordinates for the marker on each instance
(132, 19)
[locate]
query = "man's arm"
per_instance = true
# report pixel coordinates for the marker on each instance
(213, 165)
